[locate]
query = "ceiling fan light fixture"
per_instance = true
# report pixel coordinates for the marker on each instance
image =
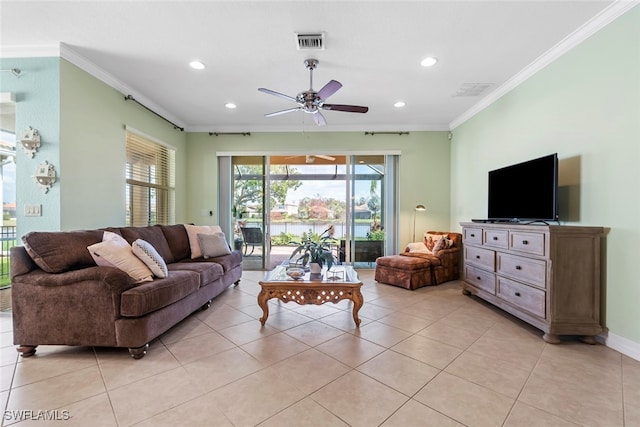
(399, 104)
(429, 61)
(230, 105)
(197, 65)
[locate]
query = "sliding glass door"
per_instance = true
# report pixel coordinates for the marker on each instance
(307, 196)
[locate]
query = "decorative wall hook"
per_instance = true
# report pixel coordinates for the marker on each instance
(45, 176)
(30, 141)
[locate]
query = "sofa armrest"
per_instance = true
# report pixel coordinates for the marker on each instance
(116, 280)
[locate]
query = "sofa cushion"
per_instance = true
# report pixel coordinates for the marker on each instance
(178, 241)
(228, 262)
(148, 254)
(193, 231)
(213, 245)
(153, 235)
(118, 253)
(60, 251)
(207, 271)
(151, 296)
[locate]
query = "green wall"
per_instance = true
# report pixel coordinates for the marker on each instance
(93, 117)
(586, 107)
(423, 169)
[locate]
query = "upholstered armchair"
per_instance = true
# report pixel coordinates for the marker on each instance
(444, 254)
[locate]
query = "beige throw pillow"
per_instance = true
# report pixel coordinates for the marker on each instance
(193, 231)
(213, 245)
(418, 247)
(440, 245)
(430, 240)
(150, 256)
(119, 254)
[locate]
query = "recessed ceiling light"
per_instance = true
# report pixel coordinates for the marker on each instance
(230, 105)
(429, 61)
(197, 65)
(399, 104)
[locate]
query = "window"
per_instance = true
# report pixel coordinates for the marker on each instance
(150, 177)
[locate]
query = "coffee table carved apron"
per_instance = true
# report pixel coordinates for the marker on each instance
(344, 285)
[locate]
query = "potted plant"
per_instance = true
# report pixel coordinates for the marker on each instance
(311, 251)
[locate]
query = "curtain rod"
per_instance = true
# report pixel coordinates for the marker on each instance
(230, 133)
(386, 133)
(131, 98)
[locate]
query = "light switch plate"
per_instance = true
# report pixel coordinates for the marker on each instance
(32, 210)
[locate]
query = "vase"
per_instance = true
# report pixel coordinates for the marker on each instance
(315, 268)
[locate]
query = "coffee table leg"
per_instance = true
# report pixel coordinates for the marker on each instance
(357, 303)
(263, 297)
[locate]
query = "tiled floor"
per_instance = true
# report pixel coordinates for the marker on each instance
(430, 357)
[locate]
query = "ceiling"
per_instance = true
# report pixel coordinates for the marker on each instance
(373, 48)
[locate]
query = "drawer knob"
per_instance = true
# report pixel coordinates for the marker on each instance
(473, 235)
(479, 278)
(517, 294)
(495, 237)
(477, 256)
(518, 267)
(525, 242)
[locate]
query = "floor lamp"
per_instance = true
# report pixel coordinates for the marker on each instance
(419, 208)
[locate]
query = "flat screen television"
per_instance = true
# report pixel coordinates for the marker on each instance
(526, 191)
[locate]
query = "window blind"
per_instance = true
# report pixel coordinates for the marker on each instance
(150, 181)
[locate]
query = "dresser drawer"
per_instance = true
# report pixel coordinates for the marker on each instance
(496, 238)
(480, 279)
(532, 271)
(479, 257)
(472, 235)
(532, 243)
(522, 296)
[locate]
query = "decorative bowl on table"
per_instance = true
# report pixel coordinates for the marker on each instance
(295, 273)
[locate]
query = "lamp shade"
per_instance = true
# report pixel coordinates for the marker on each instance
(421, 208)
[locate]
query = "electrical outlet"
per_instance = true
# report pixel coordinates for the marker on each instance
(32, 210)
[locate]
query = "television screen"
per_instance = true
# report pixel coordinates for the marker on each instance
(525, 191)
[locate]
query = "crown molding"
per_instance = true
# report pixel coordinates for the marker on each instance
(40, 51)
(67, 53)
(595, 24)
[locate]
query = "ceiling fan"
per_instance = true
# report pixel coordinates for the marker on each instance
(311, 158)
(311, 101)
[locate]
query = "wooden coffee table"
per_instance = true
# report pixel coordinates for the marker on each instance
(343, 283)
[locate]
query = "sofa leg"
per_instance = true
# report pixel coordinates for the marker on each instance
(27, 350)
(138, 352)
(206, 305)
(236, 283)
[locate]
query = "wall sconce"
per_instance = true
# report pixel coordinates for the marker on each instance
(30, 141)
(45, 176)
(419, 208)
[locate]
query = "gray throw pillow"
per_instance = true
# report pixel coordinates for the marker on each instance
(213, 245)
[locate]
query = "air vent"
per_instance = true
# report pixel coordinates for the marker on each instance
(313, 41)
(472, 89)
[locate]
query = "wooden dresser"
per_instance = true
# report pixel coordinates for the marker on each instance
(548, 276)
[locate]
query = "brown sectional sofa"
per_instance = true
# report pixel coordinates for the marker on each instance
(60, 296)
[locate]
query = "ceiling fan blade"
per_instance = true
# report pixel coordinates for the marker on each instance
(347, 108)
(329, 89)
(319, 118)
(274, 93)
(288, 110)
(322, 156)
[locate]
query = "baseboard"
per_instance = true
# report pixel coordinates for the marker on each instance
(621, 344)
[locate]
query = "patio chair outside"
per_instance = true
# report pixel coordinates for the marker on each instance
(252, 236)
